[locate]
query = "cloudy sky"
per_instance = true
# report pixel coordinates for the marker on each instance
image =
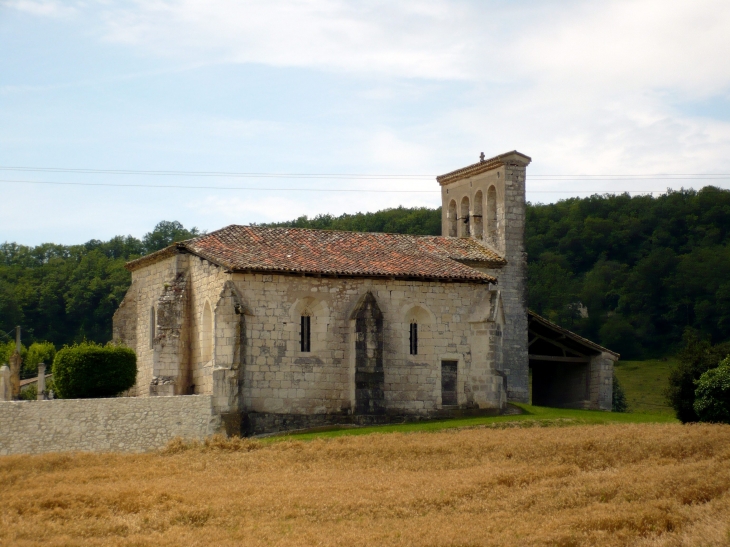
(405, 90)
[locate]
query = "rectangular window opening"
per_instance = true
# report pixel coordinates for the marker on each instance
(305, 337)
(414, 339)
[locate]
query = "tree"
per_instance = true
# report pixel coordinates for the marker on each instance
(89, 370)
(552, 292)
(11, 313)
(620, 335)
(8, 348)
(166, 233)
(712, 396)
(39, 352)
(697, 357)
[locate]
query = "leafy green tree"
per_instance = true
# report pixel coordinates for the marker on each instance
(712, 396)
(553, 292)
(166, 233)
(8, 348)
(11, 313)
(67, 294)
(619, 335)
(90, 370)
(39, 352)
(697, 357)
(400, 220)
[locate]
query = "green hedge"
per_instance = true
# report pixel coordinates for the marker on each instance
(89, 370)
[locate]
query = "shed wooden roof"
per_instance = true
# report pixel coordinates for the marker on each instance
(553, 334)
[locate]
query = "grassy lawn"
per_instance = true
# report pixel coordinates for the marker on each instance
(534, 416)
(644, 383)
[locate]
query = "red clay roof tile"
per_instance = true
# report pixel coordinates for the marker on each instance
(296, 250)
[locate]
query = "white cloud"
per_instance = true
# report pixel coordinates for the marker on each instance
(44, 8)
(581, 86)
(413, 39)
(627, 46)
(623, 45)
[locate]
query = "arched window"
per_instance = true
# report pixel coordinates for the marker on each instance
(420, 339)
(477, 216)
(305, 334)
(452, 219)
(414, 338)
(492, 214)
(206, 334)
(464, 217)
(310, 317)
(153, 326)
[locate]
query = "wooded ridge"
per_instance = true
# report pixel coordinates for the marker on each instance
(631, 273)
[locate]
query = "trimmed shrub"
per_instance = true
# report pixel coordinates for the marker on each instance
(712, 396)
(90, 370)
(618, 402)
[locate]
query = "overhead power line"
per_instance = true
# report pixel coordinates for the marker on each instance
(355, 176)
(213, 173)
(255, 188)
(353, 190)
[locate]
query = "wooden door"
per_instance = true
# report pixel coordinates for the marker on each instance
(448, 383)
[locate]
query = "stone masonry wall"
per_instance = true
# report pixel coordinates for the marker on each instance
(207, 282)
(513, 285)
(123, 424)
(279, 378)
(601, 382)
(150, 288)
(148, 285)
(125, 319)
(256, 364)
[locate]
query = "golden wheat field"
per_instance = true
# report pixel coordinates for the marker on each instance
(642, 484)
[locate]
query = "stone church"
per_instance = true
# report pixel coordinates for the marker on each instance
(289, 328)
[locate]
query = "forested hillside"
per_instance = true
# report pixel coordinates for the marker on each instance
(629, 272)
(417, 221)
(65, 293)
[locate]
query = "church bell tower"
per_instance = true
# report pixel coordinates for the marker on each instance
(485, 201)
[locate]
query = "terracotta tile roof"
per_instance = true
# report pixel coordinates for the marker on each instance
(295, 250)
(513, 157)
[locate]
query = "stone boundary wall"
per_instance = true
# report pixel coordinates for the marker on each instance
(123, 424)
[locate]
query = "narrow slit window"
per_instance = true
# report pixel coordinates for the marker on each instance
(414, 338)
(305, 334)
